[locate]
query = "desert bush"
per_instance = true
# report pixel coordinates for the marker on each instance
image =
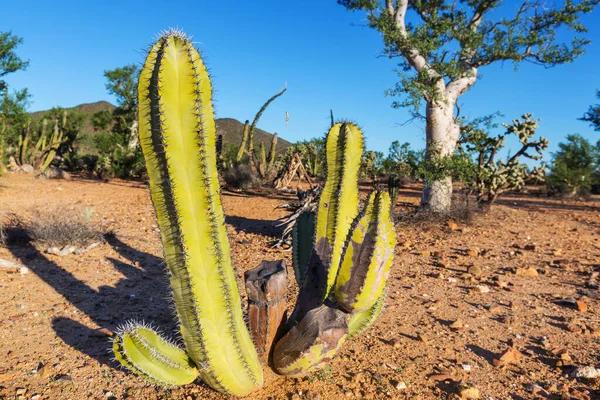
(240, 177)
(62, 227)
(485, 174)
(573, 168)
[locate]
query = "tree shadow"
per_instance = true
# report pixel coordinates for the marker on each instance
(141, 294)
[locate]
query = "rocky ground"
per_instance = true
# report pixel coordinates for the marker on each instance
(505, 307)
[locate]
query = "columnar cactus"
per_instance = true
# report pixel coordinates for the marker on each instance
(342, 278)
(244, 143)
(177, 135)
(341, 256)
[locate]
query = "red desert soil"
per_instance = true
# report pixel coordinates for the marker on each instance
(441, 325)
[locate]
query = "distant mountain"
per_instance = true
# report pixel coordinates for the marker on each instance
(230, 128)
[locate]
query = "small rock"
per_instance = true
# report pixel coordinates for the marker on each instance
(53, 250)
(510, 356)
(467, 392)
(482, 289)
(21, 391)
(587, 372)
(44, 371)
(422, 338)
(527, 272)
(66, 251)
(473, 253)
(27, 168)
(401, 386)
(36, 397)
(475, 270)
(452, 225)
(457, 325)
(23, 270)
(8, 264)
(425, 253)
(557, 253)
(466, 367)
(581, 306)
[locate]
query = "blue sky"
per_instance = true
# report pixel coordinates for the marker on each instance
(254, 48)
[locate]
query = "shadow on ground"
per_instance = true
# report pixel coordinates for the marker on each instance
(140, 295)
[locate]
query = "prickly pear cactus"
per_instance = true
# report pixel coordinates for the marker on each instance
(177, 135)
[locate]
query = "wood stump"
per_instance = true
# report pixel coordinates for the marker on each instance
(266, 286)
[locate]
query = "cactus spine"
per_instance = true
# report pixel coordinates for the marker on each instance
(177, 135)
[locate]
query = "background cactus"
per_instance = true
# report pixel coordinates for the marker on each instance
(41, 155)
(177, 135)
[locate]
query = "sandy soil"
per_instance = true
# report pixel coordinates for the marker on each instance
(50, 347)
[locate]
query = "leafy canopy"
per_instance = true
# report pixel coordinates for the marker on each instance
(442, 42)
(593, 114)
(9, 60)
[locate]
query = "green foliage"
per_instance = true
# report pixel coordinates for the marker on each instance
(311, 152)
(448, 40)
(485, 175)
(101, 120)
(593, 114)
(119, 153)
(573, 167)
(9, 60)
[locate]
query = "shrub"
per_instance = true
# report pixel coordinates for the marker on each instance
(63, 227)
(573, 167)
(240, 177)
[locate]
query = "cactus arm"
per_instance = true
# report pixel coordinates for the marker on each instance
(263, 159)
(255, 121)
(338, 205)
(24, 143)
(312, 342)
(272, 155)
(244, 143)
(368, 257)
(303, 234)
(144, 352)
(177, 133)
(360, 322)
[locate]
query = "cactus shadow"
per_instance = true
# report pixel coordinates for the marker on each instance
(142, 295)
(255, 226)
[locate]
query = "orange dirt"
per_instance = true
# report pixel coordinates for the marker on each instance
(441, 325)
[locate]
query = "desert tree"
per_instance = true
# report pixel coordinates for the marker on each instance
(443, 44)
(13, 107)
(593, 114)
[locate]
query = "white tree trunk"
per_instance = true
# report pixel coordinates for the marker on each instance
(442, 134)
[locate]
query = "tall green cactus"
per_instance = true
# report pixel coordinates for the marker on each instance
(272, 155)
(253, 126)
(342, 278)
(244, 143)
(177, 135)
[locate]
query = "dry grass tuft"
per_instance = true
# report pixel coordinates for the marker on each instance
(62, 227)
